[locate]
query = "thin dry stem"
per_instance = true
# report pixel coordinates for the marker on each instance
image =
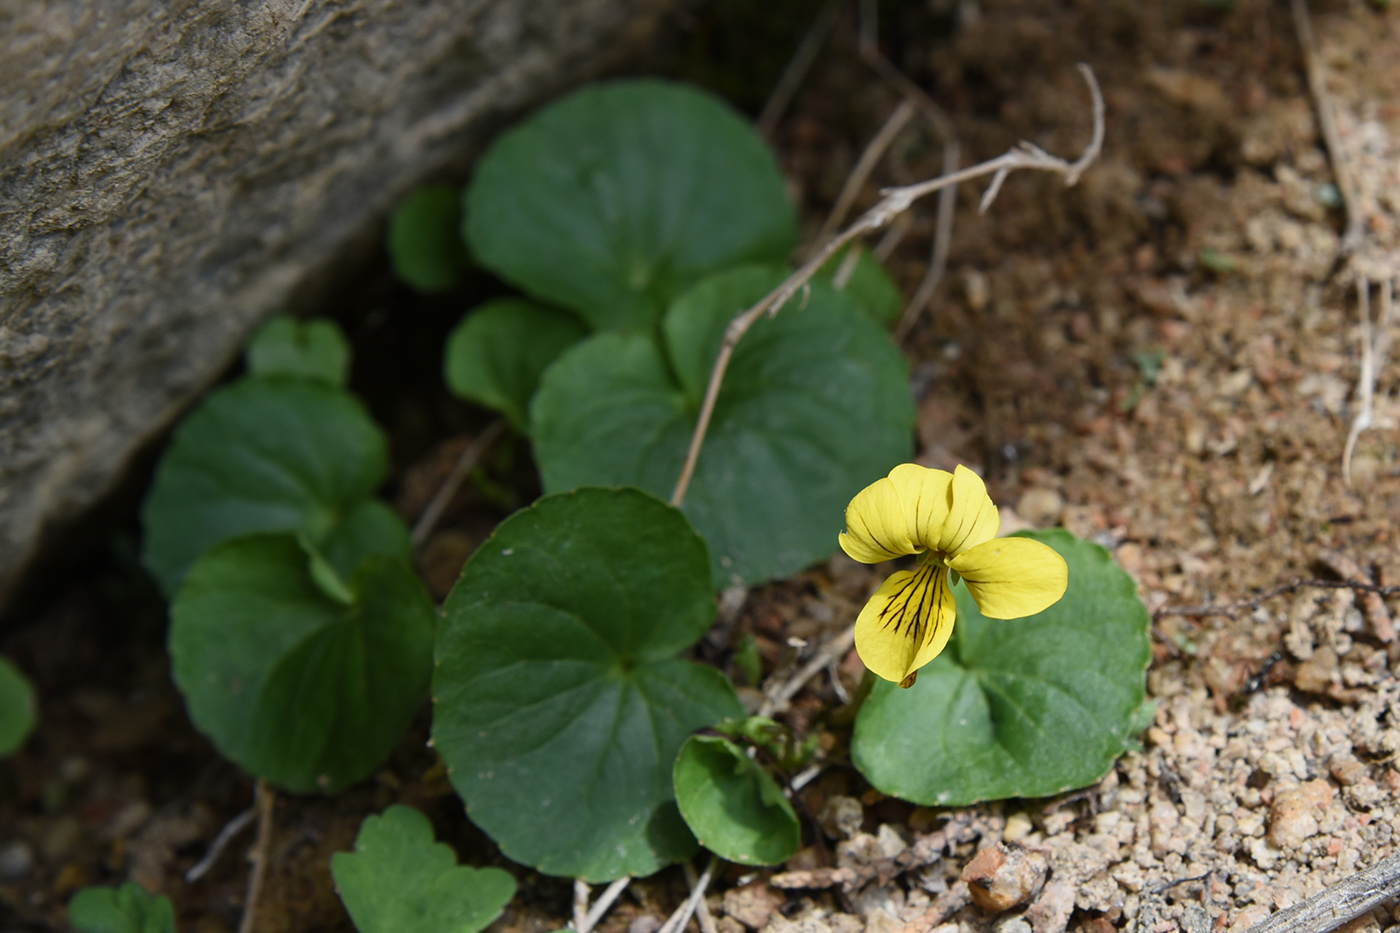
(942, 240)
(702, 909)
(592, 915)
(1366, 380)
(429, 519)
(265, 800)
(581, 896)
(1232, 610)
(860, 174)
(1340, 903)
(777, 699)
(796, 71)
(1327, 120)
(226, 835)
(893, 202)
(677, 921)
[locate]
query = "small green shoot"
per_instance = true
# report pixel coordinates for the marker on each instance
(496, 355)
(128, 909)
(315, 350)
(399, 880)
(425, 239)
(18, 709)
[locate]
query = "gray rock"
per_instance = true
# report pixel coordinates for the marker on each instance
(171, 172)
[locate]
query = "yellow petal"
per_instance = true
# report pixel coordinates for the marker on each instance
(972, 516)
(925, 494)
(877, 528)
(907, 622)
(1012, 577)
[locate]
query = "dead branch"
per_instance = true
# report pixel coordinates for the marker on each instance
(1329, 909)
(796, 70)
(265, 799)
(893, 202)
(1254, 602)
(429, 519)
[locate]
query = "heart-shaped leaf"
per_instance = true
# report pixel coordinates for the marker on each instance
(398, 880)
(315, 350)
(615, 199)
(303, 679)
(425, 239)
(496, 355)
(732, 805)
(271, 454)
(18, 709)
(560, 702)
(815, 402)
(128, 909)
(1017, 708)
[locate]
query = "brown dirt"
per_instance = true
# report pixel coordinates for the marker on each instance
(1202, 239)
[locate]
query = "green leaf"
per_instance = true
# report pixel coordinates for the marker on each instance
(615, 199)
(868, 285)
(425, 239)
(296, 686)
(1021, 708)
(128, 909)
(732, 805)
(815, 402)
(271, 454)
(315, 350)
(398, 880)
(560, 702)
(18, 709)
(496, 355)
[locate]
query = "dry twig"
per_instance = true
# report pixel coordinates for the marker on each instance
(1233, 609)
(1329, 909)
(893, 202)
(796, 70)
(429, 519)
(776, 700)
(1327, 120)
(677, 921)
(874, 150)
(265, 800)
(1372, 605)
(231, 829)
(585, 917)
(702, 909)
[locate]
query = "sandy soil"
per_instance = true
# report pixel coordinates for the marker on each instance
(1164, 359)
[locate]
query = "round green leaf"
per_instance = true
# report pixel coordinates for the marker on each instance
(315, 350)
(287, 678)
(496, 355)
(271, 454)
(18, 709)
(815, 402)
(560, 702)
(425, 239)
(868, 285)
(615, 199)
(128, 909)
(1017, 708)
(732, 805)
(398, 880)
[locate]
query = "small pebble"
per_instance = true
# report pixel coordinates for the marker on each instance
(1001, 876)
(16, 862)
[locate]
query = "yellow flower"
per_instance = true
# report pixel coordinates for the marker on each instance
(950, 519)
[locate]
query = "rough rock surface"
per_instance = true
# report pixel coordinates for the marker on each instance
(169, 172)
